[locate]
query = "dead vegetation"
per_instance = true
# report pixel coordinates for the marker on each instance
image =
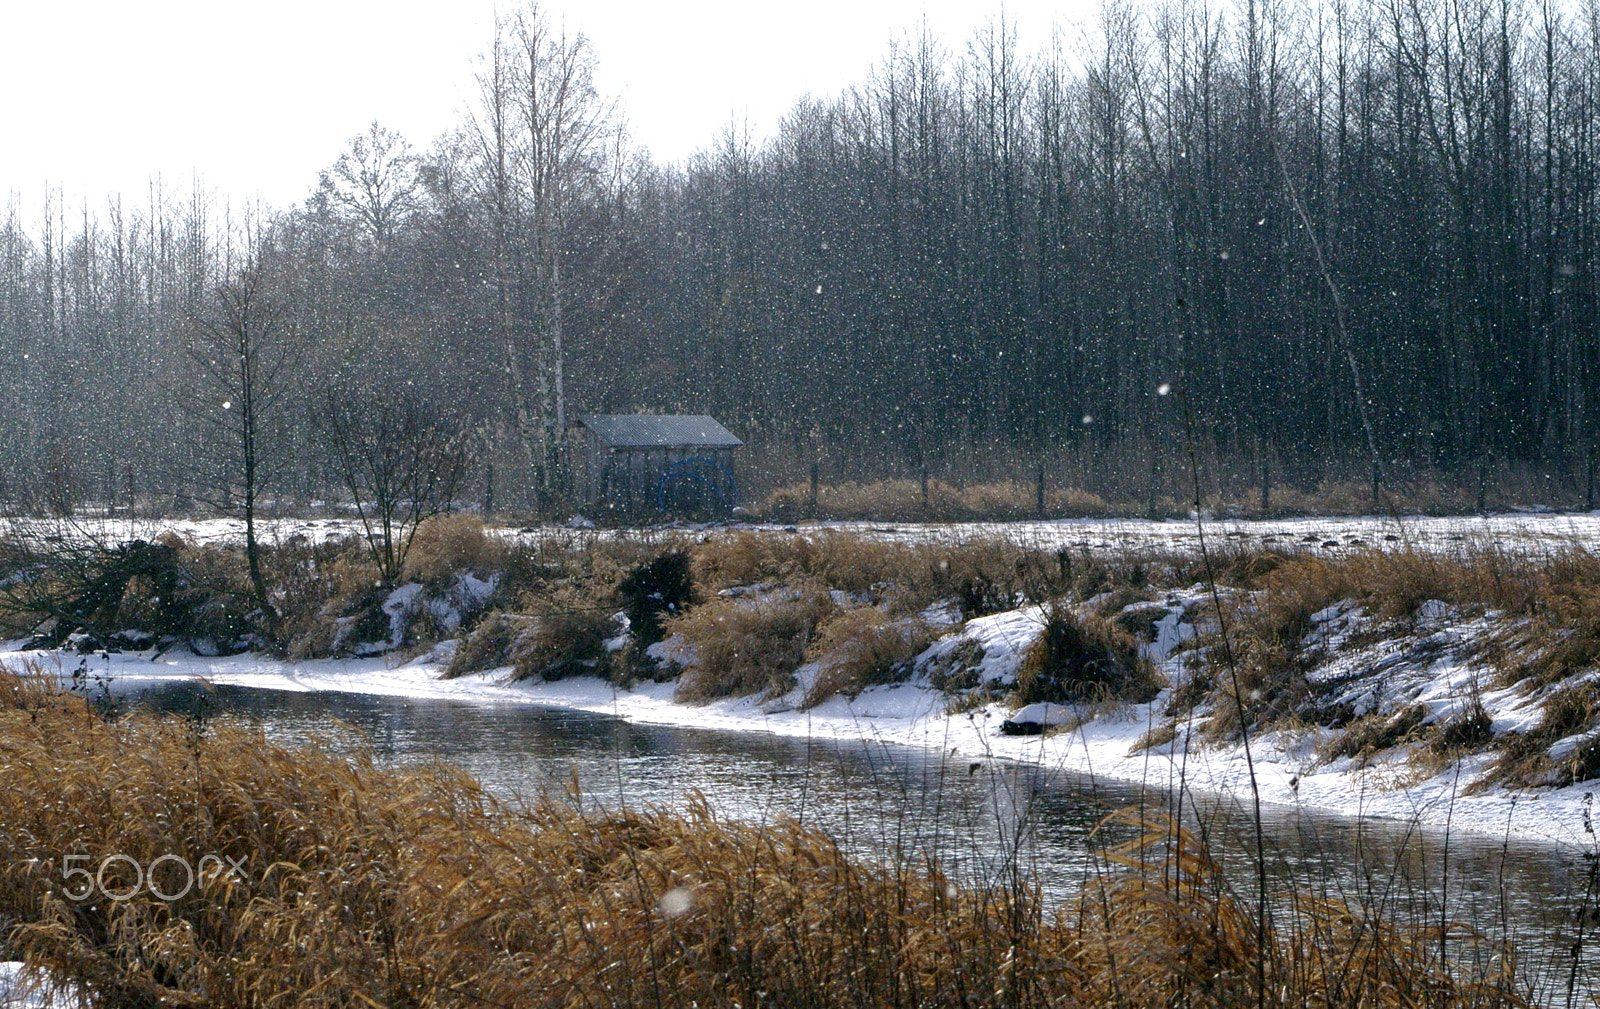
(864, 647)
(749, 644)
(748, 608)
(1545, 631)
(447, 544)
(1535, 757)
(905, 500)
(371, 886)
(1082, 659)
(930, 501)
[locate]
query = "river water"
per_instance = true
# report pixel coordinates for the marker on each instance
(984, 821)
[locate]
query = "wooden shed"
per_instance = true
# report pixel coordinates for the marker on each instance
(642, 465)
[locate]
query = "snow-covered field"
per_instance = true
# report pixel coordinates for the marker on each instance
(1521, 532)
(1437, 673)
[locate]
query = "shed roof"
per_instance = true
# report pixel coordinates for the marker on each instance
(642, 430)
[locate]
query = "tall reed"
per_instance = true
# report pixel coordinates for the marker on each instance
(367, 885)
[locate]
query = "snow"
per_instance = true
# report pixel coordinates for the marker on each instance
(1532, 533)
(1000, 638)
(1044, 713)
(1521, 532)
(16, 993)
(915, 714)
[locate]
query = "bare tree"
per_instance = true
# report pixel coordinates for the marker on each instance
(542, 134)
(241, 343)
(375, 179)
(400, 460)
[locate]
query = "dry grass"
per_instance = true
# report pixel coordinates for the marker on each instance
(748, 645)
(1426, 495)
(1370, 735)
(1564, 585)
(1525, 757)
(367, 886)
(490, 645)
(863, 647)
(1078, 659)
(447, 543)
(564, 636)
(902, 501)
(1550, 631)
(985, 575)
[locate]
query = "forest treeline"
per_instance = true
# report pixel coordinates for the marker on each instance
(1285, 234)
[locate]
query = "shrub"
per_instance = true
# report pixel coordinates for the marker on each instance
(654, 591)
(447, 543)
(489, 646)
(1080, 659)
(748, 645)
(863, 647)
(564, 636)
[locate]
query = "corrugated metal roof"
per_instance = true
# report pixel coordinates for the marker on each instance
(643, 430)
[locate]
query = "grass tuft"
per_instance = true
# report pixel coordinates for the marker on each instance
(863, 647)
(1082, 659)
(748, 644)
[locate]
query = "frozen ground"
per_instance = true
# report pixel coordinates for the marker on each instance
(1288, 768)
(1522, 532)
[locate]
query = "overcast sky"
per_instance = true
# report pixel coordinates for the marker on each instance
(98, 97)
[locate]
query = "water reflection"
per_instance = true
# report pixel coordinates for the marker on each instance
(981, 820)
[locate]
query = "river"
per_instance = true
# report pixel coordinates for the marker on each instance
(983, 820)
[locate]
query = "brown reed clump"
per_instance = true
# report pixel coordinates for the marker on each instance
(1078, 659)
(863, 647)
(360, 885)
(450, 542)
(748, 644)
(906, 501)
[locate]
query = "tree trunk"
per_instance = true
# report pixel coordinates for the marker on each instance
(1266, 478)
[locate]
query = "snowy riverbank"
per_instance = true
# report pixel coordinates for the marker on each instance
(1287, 769)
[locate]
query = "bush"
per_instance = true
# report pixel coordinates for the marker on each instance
(654, 591)
(564, 636)
(748, 645)
(863, 647)
(448, 543)
(1076, 660)
(489, 646)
